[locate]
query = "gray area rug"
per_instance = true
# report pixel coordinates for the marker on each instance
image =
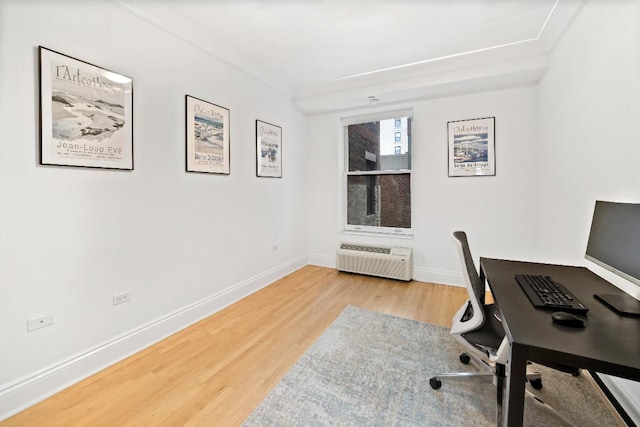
(373, 369)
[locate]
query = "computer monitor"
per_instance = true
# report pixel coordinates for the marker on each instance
(614, 244)
(614, 239)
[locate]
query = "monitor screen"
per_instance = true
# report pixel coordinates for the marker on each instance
(614, 239)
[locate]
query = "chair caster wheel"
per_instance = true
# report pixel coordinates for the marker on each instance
(464, 358)
(435, 383)
(536, 384)
(577, 372)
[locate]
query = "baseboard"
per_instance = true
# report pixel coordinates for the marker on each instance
(322, 260)
(623, 396)
(30, 389)
(437, 276)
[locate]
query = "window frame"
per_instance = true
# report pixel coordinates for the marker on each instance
(346, 228)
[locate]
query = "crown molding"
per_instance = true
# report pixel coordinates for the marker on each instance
(178, 26)
(519, 63)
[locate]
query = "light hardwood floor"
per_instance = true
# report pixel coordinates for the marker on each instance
(215, 372)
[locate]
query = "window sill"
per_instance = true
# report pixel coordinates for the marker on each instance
(405, 236)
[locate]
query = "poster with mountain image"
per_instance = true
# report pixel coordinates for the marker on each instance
(86, 114)
(207, 137)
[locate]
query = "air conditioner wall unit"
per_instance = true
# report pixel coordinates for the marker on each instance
(393, 262)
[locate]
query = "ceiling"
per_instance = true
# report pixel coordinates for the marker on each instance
(334, 54)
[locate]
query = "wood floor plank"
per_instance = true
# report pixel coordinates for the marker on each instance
(218, 370)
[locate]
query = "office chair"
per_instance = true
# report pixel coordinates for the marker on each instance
(478, 327)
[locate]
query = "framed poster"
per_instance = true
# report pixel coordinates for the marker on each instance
(207, 137)
(472, 147)
(86, 114)
(268, 150)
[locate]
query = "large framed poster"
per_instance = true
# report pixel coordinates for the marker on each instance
(472, 147)
(268, 150)
(86, 114)
(207, 137)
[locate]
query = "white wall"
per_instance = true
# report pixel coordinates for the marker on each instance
(589, 110)
(184, 244)
(498, 212)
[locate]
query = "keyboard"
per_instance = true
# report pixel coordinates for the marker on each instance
(544, 292)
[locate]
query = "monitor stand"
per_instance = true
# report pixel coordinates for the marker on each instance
(623, 304)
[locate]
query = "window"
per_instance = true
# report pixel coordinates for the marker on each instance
(398, 123)
(378, 175)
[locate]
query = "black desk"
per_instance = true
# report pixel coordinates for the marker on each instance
(609, 343)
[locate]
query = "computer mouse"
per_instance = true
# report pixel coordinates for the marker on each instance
(567, 319)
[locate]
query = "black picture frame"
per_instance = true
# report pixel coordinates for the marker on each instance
(208, 141)
(268, 150)
(472, 147)
(86, 114)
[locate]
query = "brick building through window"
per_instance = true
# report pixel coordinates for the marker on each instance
(378, 176)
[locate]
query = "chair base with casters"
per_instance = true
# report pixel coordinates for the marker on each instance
(534, 378)
(487, 375)
(492, 372)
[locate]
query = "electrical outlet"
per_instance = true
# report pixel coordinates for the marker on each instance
(122, 298)
(40, 322)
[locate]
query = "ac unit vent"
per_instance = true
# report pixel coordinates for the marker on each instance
(384, 261)
(374, 249)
